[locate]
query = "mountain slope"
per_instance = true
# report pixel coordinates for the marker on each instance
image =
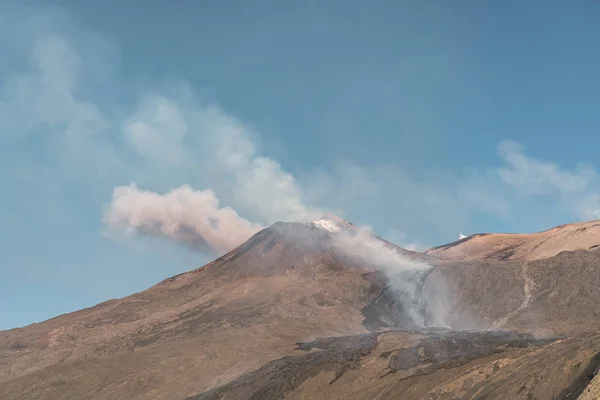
(285, 284)
(229, 329)
(554, 295)
(526, 247)
(391, 365)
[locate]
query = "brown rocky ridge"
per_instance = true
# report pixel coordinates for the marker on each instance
(525, 246)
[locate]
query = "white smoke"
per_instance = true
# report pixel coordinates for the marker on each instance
(190, 217)
(461, 236)
(402, 274)
(258, 184)
(228, 162)
(156, 131)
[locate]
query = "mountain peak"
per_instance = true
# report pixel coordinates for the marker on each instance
(333, 223)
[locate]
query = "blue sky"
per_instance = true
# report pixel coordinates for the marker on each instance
(421, 120)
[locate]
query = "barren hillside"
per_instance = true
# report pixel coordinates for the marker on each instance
(532, 246)
(301, 311)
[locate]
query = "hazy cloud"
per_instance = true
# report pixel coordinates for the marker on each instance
(577, 189)
(156, 130)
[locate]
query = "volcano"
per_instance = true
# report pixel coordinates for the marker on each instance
(326, 310)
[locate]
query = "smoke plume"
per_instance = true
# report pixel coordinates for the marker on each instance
(404, 276)
(189, 217)
(226, 159)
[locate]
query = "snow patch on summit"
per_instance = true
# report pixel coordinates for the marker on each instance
(327, 224)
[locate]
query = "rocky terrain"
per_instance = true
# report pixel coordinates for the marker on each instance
(533, 246)
(320, 311)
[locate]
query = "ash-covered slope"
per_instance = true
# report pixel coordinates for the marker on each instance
(527, 247)
(229, 329)
(403, 365)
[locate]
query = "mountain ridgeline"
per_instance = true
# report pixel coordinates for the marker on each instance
(326, 310)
